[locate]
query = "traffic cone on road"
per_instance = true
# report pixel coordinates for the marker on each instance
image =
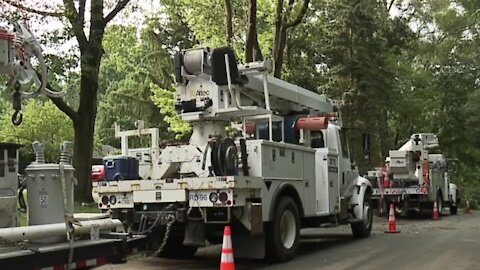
(392, 224)
(227, 251)
(436, 215)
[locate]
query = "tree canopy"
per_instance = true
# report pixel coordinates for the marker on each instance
(399, 67)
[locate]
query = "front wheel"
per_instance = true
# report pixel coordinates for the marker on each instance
(363, 228)
(283, 233)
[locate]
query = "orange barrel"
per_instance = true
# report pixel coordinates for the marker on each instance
(312, 123)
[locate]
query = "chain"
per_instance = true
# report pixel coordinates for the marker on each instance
(170, 222)
(22, 245)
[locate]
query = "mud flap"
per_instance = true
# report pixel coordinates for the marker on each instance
(194, 233)
(245, 245)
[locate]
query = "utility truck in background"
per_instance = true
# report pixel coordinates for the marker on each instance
(415, 177)
(287, 168)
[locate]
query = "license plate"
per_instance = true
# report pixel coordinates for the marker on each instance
(198, 196)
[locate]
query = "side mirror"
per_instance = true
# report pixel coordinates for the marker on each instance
(366, 146)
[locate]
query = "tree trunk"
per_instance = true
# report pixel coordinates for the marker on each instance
(228, 22)
(87, 111)
(82, 160)
(257, 51)
(251, 30)
(277, 71)
(278, 25)
(282, 24)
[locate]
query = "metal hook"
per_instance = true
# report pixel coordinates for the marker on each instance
(17, 118)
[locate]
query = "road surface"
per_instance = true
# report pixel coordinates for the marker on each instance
(450, 243)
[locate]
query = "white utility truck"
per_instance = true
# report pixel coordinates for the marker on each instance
(289, 168)
(414, 177)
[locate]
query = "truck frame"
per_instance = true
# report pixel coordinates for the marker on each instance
(287, 168)
(27, 247)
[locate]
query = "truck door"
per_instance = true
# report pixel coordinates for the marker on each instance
(345, 166)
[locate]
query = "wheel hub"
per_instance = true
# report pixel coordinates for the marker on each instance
(367, 215)
(288, 229)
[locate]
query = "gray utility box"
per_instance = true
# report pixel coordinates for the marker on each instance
(278, 163)
(45, 194)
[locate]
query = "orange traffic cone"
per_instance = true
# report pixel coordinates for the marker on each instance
(227, 251)
(436, 215)
(392, 224)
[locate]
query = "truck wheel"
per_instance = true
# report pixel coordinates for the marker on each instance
(440, 203)
(363, 228)
(283, 233)
(453, 209)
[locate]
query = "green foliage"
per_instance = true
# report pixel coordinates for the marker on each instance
(42, 122)
(165, 100)
(417, 71)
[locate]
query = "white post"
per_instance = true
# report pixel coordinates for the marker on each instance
(265, 92)
(244, 127)
(270, 127)
(124, 145)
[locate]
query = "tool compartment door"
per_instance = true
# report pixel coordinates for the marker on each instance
(326, 175)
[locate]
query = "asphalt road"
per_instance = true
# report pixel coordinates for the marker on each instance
(450, 243)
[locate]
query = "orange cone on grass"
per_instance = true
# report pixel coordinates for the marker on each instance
(436, 214)
(227, 251)
(392, 224)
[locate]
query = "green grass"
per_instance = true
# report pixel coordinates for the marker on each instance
(79, 208)
(86, 208)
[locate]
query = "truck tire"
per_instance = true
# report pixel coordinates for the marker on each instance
(363, 228)
(283, 233)
(453, 209)
(440, 203)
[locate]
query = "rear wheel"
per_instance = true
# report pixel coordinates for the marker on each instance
(363, 228)
(440, 203)
(453, 209)
(283, 233)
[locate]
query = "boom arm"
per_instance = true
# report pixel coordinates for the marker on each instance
(211, 85)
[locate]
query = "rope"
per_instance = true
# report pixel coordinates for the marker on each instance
(68, 218)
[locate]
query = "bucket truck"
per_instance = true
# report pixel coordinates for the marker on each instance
(286, 169)
(414, 177)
